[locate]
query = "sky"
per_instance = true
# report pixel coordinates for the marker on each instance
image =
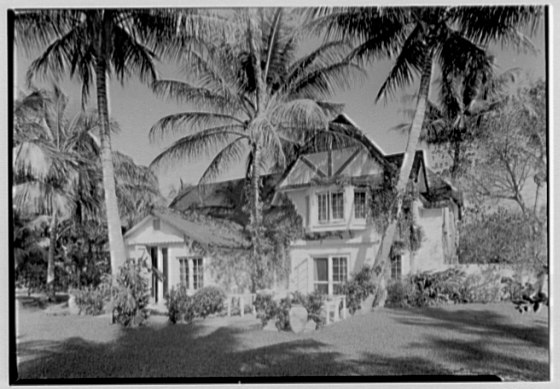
(136, 109)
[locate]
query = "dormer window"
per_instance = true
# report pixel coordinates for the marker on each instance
(330, 206)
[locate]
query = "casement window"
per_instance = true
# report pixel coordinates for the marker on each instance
(198, 273)
(360, 209)
(329, 274)
(330, 206)
(191, 272)
(323, 207)
(396, 267)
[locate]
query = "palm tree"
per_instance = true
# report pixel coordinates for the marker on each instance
(455, 38)
(456, 118)
(52, 174)
(255, 98)
(93, 44)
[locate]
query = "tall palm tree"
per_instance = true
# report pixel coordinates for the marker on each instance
(454, 38)
(93, 44)
(254, 96)
(52, 173)
(456, 118)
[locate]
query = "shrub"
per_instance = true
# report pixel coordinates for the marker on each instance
(358, 289)
(92, 300)
(314, 304)
(436, 288)
(283, 314)
(208, 300)
(179, 305)
(266, 308)
(401, 293)
(131, 294)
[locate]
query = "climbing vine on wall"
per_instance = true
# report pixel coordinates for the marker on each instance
(381, 201)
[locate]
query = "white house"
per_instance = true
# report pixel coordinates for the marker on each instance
(329, 190)
(179, 248)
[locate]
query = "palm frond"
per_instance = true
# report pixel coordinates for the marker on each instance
(192, 122)
(232, 153)
(408, 62)
(497, 23)
(198, 96)
(193, 146)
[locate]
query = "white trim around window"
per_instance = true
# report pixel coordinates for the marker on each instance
(330, 206)
(330, 272)
(191, 272)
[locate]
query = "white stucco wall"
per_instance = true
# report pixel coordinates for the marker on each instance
(143, 236)
(430, 254)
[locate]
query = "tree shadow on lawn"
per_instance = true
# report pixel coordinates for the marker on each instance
(189, 351)
(481, 322)
(509, 350)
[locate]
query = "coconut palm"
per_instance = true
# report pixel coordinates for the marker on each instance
(93, 44)
(51, 165)
(254, 97)
(455, 119)
(454, 38)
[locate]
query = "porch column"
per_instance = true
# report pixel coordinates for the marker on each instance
(159, 281)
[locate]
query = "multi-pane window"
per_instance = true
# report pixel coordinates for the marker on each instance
(323, 206)
(396, 268)
(329, 274)
(191, 272)
(330, 206)
(184, 271)
(321, 275)
(337, 202)
(360, 204)
(340, 273)
(198, 273)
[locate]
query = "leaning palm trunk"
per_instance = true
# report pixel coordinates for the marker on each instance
(50, 260)
(382, 257)
(116, 242)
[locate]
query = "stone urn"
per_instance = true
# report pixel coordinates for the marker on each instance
(298, 318)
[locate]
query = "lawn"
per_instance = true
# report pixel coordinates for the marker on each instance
(475, 339)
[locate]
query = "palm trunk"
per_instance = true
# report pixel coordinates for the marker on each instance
(256, 218)
(382, 257)
(50, 260)
(116, 243)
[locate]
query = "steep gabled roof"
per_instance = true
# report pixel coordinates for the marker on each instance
(205, 230)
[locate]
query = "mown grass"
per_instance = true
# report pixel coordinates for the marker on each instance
(471, 339)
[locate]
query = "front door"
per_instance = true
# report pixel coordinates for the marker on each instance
(154, 256)
(160, 273)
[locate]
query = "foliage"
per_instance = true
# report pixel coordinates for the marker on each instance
(436, 288)
(313, 302)
(502, 236)
(266, 308)
(179, 305)
(91, 300)
(208, 300)
(401, 293)
(358, 289)
(132, 293)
